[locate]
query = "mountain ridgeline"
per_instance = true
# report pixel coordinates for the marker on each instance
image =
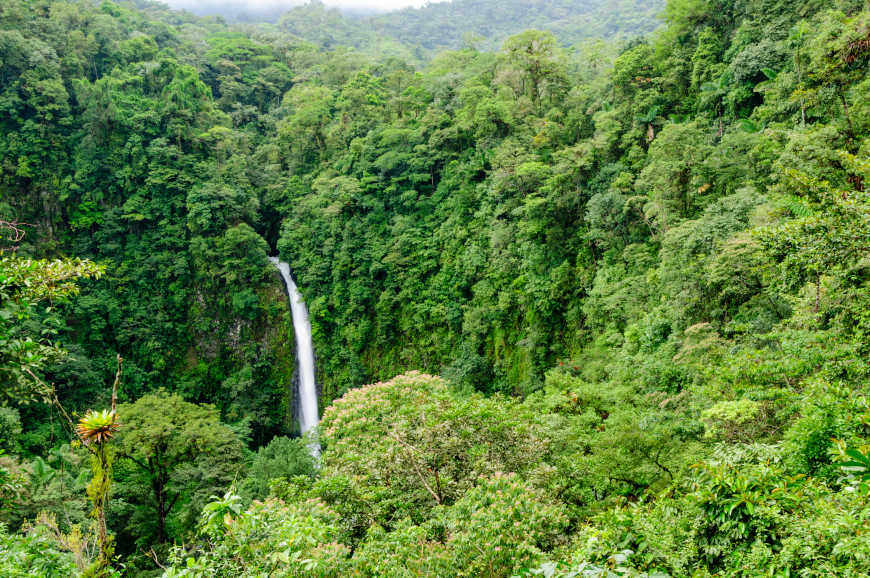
(483, 23)
(588, 290)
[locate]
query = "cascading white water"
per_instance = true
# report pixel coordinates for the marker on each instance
(307, 391)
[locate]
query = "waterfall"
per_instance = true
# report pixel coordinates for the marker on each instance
(306, 392)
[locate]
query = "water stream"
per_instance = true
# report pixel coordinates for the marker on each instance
(306, 392)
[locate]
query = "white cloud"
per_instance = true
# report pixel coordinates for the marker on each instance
(260, 6)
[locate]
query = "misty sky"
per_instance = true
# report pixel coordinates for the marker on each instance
(259, 6)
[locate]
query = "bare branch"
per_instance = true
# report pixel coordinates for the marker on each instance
(14, 229)
(115, 385)
(416, 468)
(153, 555)
(52, 398)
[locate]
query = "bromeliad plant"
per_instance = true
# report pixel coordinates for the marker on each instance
(97, 427)
(94, 430)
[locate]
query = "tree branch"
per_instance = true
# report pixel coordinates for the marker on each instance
(115, 385)
(172, 503)
(139, 463)
(416, 468)
(53, 400)
(15, 229)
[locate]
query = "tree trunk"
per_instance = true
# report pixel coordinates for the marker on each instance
(801, 84)
(846, 114)
(158, 486)
(99, 494)
(160, 496)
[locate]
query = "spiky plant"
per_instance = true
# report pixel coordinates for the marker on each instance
(98, 426)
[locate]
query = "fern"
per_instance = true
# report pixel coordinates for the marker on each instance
(798, 207)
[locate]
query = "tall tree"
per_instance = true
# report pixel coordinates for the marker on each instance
(177, 455)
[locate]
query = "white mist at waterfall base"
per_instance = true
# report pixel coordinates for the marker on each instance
(307, 389)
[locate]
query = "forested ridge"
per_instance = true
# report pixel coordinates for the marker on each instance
(417, 33)
(588, 310)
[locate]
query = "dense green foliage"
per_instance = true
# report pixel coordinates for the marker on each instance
(108, 148)
(280, 458)
(25, 327)
(643, 269)
(33, 554)
(178, 454)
